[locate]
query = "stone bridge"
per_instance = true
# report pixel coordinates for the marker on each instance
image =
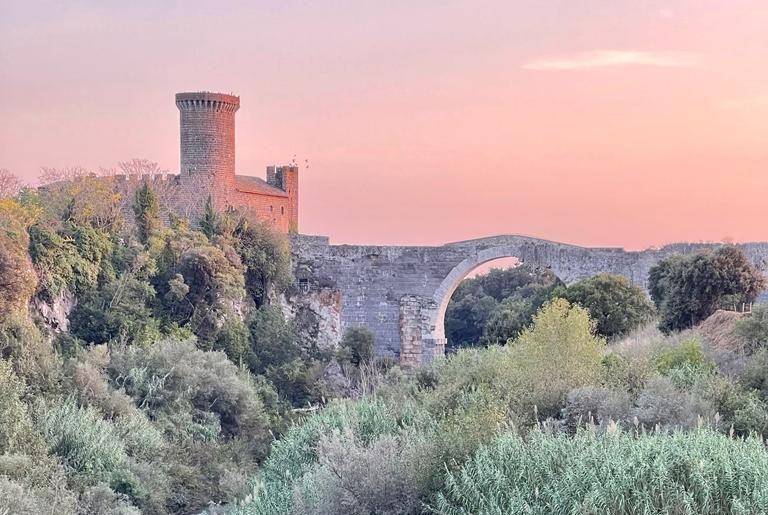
(401, 293)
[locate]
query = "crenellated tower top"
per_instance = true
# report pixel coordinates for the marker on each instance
(207, 123)
(206, 100)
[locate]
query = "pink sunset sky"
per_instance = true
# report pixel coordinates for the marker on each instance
(596, 122)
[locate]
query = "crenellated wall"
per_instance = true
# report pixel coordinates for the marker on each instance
(207, 170)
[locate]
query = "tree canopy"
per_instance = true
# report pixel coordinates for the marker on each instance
(616, 305)
(688, 289)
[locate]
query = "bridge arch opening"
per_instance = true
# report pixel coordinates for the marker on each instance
(449, 327)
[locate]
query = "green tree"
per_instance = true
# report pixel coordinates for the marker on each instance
(616, 305)
(266, 258)
(210, 220)
(688, 289)
(146, 209)
(494, 307)
(556, 354)
(277, 355)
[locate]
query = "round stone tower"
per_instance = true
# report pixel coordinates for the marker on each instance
(208, 134)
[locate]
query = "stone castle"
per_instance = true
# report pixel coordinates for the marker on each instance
(207, 170)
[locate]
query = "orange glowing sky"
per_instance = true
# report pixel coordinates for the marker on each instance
(596, 122)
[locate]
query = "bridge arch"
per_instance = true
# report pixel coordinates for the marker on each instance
(442, 296)
(401, 293)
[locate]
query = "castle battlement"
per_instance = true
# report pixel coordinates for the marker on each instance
(206, 100)
(207, 170)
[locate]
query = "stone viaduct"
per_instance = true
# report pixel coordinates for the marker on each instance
(401, 293)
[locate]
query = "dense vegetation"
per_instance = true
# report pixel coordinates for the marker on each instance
(687, 289)
(146, 367)
(653, 424)
(495, 307)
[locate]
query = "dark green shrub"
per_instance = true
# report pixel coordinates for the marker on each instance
(356, 346)
(295, 370)
(616, 305)
(234, 340)
(266, 258)
(118, 311)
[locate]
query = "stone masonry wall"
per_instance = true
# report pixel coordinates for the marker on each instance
(400, 293)
(207, 169)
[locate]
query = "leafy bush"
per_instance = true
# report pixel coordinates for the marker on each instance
(17, 277)
(296, 453)
(34, 484)
(68, 258)
(596, 405)
(389, 476)
(170, 378)
(295, 370)
(562, 330)
(661, 404)
(357, 346)
(616, 305)
(628, 372)
(688, 353)
(29, 353)
(523, 375)
(118, 311)
(753, 329)
(266, 258)
(755, 374)
(697, 473)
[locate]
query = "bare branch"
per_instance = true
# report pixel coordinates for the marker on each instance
(9, 184)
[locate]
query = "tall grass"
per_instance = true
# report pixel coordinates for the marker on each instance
(695, 473)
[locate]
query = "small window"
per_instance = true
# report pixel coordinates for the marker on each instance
(271, 208)
(304, 285)
(282, 210)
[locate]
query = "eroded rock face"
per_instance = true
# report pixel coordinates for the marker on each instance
(317, 315)
(55, 314)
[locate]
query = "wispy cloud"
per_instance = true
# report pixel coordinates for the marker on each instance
(614, 58)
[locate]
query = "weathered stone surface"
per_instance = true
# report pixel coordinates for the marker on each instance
(401, 293)
(317, 314)
(55, 314)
